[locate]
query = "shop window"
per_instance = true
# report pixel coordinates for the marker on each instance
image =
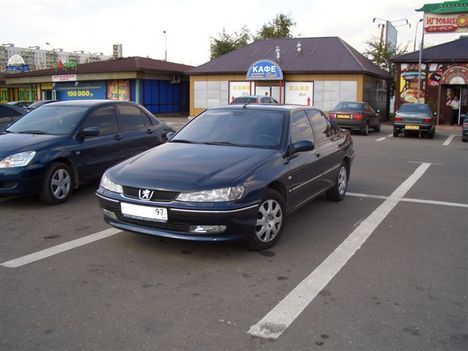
(210, 93)
(327, 94)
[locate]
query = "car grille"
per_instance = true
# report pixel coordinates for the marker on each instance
(158, 195)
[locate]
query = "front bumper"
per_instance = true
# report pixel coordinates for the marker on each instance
(21, 180)
(239, 221)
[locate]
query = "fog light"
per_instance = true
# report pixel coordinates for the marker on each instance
(109, 213)
(207, 229)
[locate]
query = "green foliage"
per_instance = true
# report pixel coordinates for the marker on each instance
(380, 54)
(226, 42)
(279, 27)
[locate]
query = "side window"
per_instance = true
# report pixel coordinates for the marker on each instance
(149, 119)
(130, 118)
(7, 112)
(321, 125)
(265, 100)
(104, 118)
(300, 127)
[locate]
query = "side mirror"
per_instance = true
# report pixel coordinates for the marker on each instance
(89, 132)
(301, 146)
(169, 135)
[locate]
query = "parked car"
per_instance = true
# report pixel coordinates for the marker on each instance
(55, 148)
(414, 118)
(39, 103)
(253, 99)
(356, 116)
(9, 114)
(20, 104)
(465, 129)
(232, 173)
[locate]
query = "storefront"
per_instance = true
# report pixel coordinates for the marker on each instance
(160, 86)
(444, 75)
(15, 92)
(305, 71)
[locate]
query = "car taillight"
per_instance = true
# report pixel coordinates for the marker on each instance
(427, 120)
(331, 115)
(358, 116)
(398, 119)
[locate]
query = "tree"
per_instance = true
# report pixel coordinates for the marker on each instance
(226, 42)
(279, 28)
(380, 54)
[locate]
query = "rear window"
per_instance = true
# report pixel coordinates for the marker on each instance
(349, 106)
(415, 108)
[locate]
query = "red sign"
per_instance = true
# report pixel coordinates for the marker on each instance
(449, 23)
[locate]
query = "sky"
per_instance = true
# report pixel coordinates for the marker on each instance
(94, 26)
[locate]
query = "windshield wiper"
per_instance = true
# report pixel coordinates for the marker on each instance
(185, 141)
(32, 132)
(224, 143)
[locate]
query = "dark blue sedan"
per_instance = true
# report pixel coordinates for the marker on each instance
(232, 173)
(61, 145)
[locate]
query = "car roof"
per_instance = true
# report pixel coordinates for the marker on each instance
(276, 107)
(88, 103)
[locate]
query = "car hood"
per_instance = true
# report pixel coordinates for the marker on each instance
(189, 167)
(11, 143)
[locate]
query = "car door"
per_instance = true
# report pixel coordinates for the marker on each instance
(136, 135)
(304, 173)
(327, 146)
(95, 154)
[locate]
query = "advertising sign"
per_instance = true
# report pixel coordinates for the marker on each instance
(446, 23)
(17, 68)
(118, 90)
(264, 70)
(391, 36)
(64, 78)
(299, 93)
(409, 83)
(82, 91)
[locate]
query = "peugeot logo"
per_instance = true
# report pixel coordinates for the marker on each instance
(145, 194)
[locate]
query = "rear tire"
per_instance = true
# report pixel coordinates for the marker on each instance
(395, 132)
(378, 127)
(271, 219)
(57, 184)
(338, 192)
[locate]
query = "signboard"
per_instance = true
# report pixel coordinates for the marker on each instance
(264, 70)
(299, 93)
(81, 91)
(64, 78)
(17, 68)
(118, 90)
(391, 36)
(409, 83)
(446, 23)
(237, 89)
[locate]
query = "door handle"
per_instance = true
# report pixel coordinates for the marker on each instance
(150, 131)
(117, 137)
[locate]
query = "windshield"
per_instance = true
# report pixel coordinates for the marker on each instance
(415, 108)
(244, 127)
(58, 120)
(349, 106)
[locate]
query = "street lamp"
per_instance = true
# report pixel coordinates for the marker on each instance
(165, 45)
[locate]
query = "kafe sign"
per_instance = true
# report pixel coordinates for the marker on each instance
(264, 70)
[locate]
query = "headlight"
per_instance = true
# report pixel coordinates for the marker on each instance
(108, 184)
(216, 195)
(17, 160)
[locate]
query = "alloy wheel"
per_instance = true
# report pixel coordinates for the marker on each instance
(60, 183)
(342, 180)
(269, 220)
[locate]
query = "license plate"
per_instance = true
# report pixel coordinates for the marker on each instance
(158, 214)
(343, 116)
(412, 127)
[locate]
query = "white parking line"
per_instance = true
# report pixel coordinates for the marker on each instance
(54, 250)
(406, 199)
(287, 310)
(449, 140)
(390, 135)
(381, 139)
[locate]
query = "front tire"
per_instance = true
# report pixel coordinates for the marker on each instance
(378, 127)
(57, 184)
(271, 219)
(338, 192)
